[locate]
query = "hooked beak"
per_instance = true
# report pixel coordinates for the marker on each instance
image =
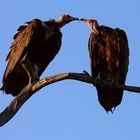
(74, 18)
(85, 20)
(82, 19)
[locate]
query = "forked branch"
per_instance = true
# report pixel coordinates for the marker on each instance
(29, 90)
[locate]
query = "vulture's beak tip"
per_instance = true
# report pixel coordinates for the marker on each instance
(82, 19)
(75, 18)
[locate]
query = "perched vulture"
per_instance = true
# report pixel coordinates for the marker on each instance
(109, 59)
(35, 45)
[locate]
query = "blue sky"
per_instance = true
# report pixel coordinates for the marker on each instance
(69, 110)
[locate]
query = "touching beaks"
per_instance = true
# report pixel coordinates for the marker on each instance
(82, 19)
(74, 18)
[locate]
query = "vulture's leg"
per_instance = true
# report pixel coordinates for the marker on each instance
(32, 70)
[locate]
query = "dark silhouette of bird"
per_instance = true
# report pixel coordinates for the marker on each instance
(34, 46)
(109, 59)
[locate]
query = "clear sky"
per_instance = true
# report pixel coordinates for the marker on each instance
(69, 110)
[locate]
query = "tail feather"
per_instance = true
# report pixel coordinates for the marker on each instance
(109, 98)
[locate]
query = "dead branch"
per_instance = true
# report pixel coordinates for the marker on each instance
(29, 90)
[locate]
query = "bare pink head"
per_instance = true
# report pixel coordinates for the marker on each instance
(92, 23)
(64, 19)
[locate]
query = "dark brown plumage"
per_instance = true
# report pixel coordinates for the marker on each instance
(109, 58)
(37, 42)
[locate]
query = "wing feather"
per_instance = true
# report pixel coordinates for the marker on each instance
(124, 54)
(21, 41)
(93, 53)
(113, 51)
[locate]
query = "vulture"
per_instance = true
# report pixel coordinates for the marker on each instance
(109, 59)
(34, 46)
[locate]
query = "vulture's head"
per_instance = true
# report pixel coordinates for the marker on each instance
(92, 23)
(64, 19)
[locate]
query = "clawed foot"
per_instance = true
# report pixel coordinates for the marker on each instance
(96, 79)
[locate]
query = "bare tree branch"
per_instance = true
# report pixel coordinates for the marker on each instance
(30, 89)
